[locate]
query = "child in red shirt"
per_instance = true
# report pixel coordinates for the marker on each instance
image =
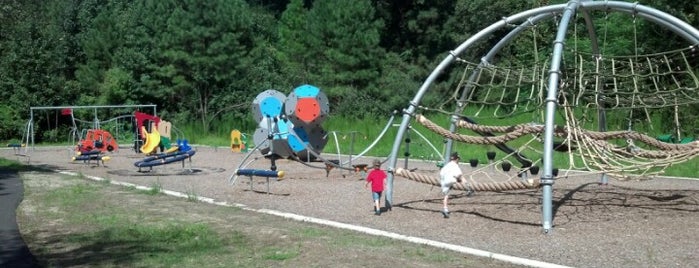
(377, 178)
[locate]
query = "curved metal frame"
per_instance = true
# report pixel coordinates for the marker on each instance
(533, 16)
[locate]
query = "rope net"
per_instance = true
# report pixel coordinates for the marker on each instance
(624, 116)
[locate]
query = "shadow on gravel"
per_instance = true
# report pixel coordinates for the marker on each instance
(587, 202)
(265, 192)
(438, 206)
(195, 171)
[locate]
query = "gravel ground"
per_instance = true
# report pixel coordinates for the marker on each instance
(650, 223)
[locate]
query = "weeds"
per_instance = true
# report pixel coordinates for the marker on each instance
(192, 196)
(155, 188)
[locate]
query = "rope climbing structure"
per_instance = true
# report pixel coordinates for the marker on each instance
(600, 104)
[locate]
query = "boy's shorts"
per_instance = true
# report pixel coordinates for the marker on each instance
(446, 187)
(376, 195)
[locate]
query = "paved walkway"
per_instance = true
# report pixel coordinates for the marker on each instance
(13, 251)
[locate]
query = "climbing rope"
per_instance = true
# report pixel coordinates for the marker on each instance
(480, 187)
(517, 131)
(595, 150)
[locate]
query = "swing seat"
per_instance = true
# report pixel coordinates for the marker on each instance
(686, 140)
(669, 138)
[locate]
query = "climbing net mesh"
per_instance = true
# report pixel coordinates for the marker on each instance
(628, 117)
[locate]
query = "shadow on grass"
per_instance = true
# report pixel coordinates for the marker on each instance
(8, 169)
(93, 252)
(15, 166)
(124, 247)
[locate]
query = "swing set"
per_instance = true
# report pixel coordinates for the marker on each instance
(96, 137)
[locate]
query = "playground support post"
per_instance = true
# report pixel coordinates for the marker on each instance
(550, 106)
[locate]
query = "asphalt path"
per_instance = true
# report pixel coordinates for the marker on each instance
(13, 251)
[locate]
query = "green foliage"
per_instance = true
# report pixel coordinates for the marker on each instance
(335, 46)
(279, 254)
(121, 229)
(418, 30)
(11, 165)
(292, 47)
(155, 189)
(160, 242)
(73, 195)
(203, 62)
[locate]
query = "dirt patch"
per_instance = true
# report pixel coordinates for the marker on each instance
(51, 233)
(624, 224)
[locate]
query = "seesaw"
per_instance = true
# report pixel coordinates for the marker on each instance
(258, 173)
(92, 155)
(164, 158)
(16, 147)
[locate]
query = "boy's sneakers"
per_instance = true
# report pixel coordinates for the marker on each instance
(377, 212)
(470, 192)
(445, 214)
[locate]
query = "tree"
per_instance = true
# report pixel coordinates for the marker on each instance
(417, 28)
(293, 44)
(344, 41)
(205, 50)
(100, 39)
(34, 45)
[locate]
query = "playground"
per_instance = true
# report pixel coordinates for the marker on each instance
(647, 223)
(616, 120)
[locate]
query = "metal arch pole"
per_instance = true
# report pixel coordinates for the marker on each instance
(337, 146)
(460, 106)
(244, 163)
(665, 20)
(659, 17)
(679, 27)
(668, 21)
(448, 60)
(554, 76)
